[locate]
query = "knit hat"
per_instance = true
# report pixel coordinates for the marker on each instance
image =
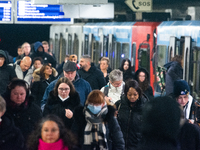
(69, 66)
(181, 87)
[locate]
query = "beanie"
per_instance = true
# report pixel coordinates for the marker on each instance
(181, 87)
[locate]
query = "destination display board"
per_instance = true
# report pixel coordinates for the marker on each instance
(6, 15)
(46, 14)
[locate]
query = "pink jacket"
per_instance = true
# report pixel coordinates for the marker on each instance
(52, 146)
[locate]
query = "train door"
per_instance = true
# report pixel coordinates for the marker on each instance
(120, 52)
(196, 73)
(97, 49)
(69, 44)
(144, 56)
(111, 50)
(85, 45)
(187, 58)
(133, 53)
(75, 44)
(62, 48)
(56, 49)
(173, 45)
(117, 55)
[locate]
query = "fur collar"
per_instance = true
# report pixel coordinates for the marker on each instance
(37, 77)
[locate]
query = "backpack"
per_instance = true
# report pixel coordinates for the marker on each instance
(106, 89)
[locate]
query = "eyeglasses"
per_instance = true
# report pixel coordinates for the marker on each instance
(117, 83)
(64, 89)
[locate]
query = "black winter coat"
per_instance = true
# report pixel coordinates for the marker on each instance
(149, 92)
(189, 137)
(154, 143)
(94, 76)
(38, 87)
(57, 107)
(174, 72)
(130, 120)
(25, 116)
(7, 73)
(113, 132)
(45, 56)
(11, 137)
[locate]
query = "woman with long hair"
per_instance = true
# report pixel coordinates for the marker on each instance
(142, 77)
(51, 134)
(42, 78)
(126, 69)
(62, 101)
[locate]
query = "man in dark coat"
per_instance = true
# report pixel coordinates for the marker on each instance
(91, 73)
(7, 73)
(39, 52)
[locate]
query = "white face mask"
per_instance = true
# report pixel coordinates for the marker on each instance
(63, 99)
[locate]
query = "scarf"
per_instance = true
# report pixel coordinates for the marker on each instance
(52, 146)
(187, 107)
(95, 130)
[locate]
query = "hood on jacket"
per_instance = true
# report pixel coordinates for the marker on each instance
(37, 45)
(37, 77)
(2, 53)
(141, 70)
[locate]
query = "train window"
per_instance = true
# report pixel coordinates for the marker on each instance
(196, 74)
(86, 45)
(133, 52)
(96, 52)
(70, 44)
(62, 49)
(161, 55)
(75, 45)
(56, 48)
(144, 56)
(105, 46)
(125, 51)
(117, 55)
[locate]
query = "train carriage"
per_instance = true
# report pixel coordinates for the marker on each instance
(181, 38)
(112, 40)
(66, 39)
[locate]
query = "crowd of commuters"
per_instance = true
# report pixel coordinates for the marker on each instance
(79, 106)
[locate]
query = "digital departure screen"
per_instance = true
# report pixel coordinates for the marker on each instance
(32, 13)
(5, 11)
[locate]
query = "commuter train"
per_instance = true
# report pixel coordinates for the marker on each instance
(147, 44)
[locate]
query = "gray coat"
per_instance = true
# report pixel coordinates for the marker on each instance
(20, 75)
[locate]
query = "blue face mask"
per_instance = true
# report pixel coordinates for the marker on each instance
(94, 109)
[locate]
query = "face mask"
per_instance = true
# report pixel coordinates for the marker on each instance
(94, 109)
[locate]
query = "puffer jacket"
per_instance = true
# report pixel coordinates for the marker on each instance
(7, 73)
(114, 135)
(39, 85)
(130, 120)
